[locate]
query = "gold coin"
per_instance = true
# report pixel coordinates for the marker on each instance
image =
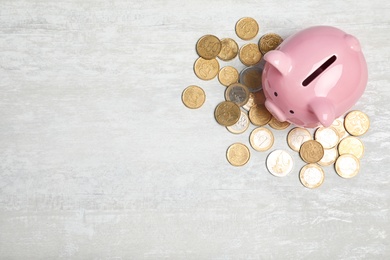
(347, 165)
(237, 93)
(227, 113)
(251, 77)
(208, 47)
(238, 154)
(228, 75)
(330, 156)
(261, 139)
(279, 163)
(193, 97)
(259, 115)
(311, 176)
(311, 151)
(351, 145)
(338, 124)
(255, 98)
(356, 123)
(269, 41)
(327, 136)
(276, 124)
(206, 69)
(297, 136)
(247, 28)
(241, 126)
(249, 54)
(229, 49)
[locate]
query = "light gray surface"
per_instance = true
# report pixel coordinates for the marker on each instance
(100, 159)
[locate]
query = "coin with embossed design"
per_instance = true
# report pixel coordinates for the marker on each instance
(261, 139)
(249, 54)
(247, 28)
(356, 123)
(237, 93)
(238, 154)
(206, 69)
(255, 98)
(193, 97)
(208, 47)
(338, 124)
(251, 77)
(279, 163)
(269, 41)
(227, 113)
(351, 145)
(330, 156)
(311, 151)
(277, 125)
(297, 136)
(259, 115)
(311, 176)
(229, 49)
(228, 75)
(327, 136)
(241, 126)
(347, 165)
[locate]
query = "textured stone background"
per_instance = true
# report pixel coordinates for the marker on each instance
(99, 159)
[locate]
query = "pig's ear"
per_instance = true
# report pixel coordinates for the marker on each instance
(323, 109)
(279, 60)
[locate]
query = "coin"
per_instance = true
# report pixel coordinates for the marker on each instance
(208, 47)
(347, 165)
(237, 93)
(338, 124)
(311, 151)
(297, 136)
(261, 139)
(228, 75)
(269, 41)
(259, 115)
(206, 69)
(356, 123)
(241, 125)
(249, 54)
(255, 98)
(229, 49)
(276, 124)
(279, 163)
(238, 154)
(327, 136)
(330, 156)
(193, 97)
(247, 28)
(351, 145)
(311, 176)
(227, 113)
(251, 77)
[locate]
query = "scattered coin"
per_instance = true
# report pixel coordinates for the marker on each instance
(247, 28)
(227, 113)
(338, 124)
(241, 126)
(297, 136)
(311, 176)
(347, 165)
(351, 145)
(356, 123)
(208, 47)
(229, 49)
(251, 77)
(261, 139)
(193, 97)
(330, 156)
(255, 98)
(206, 69)
(259, 115)
(327, 136)
(238, 154)
(276, 124)
(228, 75)
(311, 151)
(269, 41)
(249, 54)
(279, 163)
(237, 93)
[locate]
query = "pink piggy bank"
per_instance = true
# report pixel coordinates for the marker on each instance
(314, 76)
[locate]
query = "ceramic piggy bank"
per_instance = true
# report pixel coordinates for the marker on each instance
(314, 76)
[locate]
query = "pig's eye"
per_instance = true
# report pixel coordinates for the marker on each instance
(291, 111)
(275, 94)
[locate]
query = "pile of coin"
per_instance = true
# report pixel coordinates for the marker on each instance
(244, 105)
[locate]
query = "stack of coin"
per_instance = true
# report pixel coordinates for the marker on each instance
(243, 105)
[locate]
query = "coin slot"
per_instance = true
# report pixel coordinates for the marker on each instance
(318, 71)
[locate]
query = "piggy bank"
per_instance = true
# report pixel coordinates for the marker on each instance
(314, 76)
